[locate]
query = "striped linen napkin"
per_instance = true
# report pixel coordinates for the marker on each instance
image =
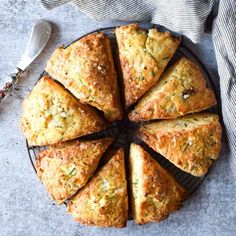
(187, 17)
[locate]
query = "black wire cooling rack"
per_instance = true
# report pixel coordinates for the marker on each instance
(124, 131)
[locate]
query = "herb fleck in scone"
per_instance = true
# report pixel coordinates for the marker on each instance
(52, 115)
(191, 142)
(143, 58)
(155, 193)
(181, 90)
(86, 69)
(103, 201)
(66, 167)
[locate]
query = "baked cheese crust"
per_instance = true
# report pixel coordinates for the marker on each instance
(181, 90)
(155, 193)
(143, 58)
(52, 115)
(66, 167)
(86, 69)
(191, 142)
(103, 201)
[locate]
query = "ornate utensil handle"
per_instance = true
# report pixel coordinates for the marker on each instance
(9, 86)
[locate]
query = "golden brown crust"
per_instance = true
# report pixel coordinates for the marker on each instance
(66, 167)
(103, 201)
(143, 57)
(51, 115)
(155, 193)
(181, 90)
(86, 69)
(191, 142)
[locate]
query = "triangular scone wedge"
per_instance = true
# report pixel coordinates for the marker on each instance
(191, 142)
(181, 90)
(143, 58)
(155, 193)
(103, 201)
(51, 115)
(66, 167)
(86, 69)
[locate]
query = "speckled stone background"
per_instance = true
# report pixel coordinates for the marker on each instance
(25, 208)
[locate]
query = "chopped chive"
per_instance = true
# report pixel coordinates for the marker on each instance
(141, 78)
(186, 146)
(152, 73)
(166, 58)
(72, 172)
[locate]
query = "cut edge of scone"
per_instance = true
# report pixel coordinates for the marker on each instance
(154, 192)
(143, 57)
(86, 68)
(191, 142)
(181, 90)
(66, 167)
(51, 115)
(103, 201)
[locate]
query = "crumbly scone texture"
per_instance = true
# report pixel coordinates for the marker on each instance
(103, 201)
(66, 167)
(51, 115)
(143, 57)
(86, 69)
(181, 90)
(155, 193)
(191, 142)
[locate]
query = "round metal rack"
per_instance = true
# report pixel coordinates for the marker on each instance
(124, 131)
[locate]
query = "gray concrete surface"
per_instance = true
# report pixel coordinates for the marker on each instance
(25, 208)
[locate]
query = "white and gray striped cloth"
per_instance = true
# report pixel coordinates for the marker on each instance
(187, 17)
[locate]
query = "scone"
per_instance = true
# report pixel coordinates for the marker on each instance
(66, 167)
(191, 142)
(155, 193)
(86, 69)
(103, 201)
(181, 90)
(52, 115)
(143, 57)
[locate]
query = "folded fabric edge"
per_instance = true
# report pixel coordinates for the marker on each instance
(50, 4)
(224, 43)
